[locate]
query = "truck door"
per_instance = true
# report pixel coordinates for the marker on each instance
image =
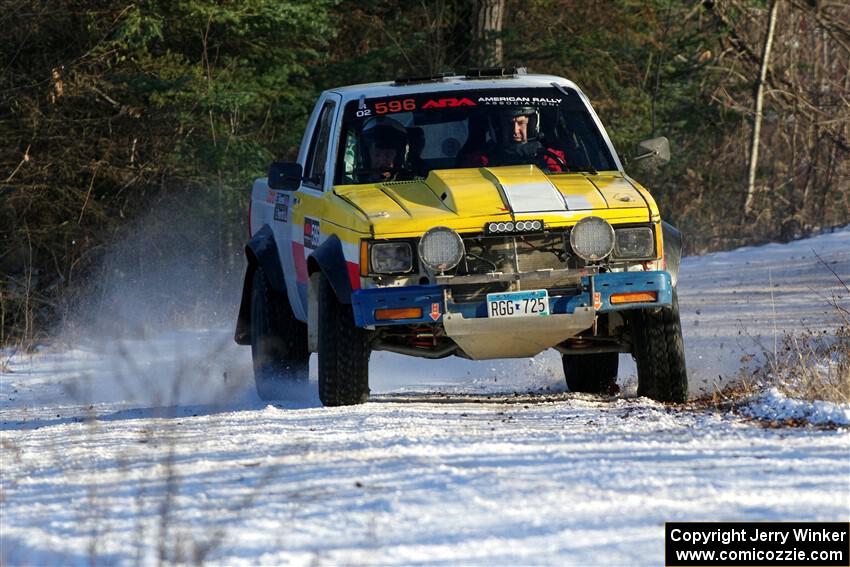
(307, 204)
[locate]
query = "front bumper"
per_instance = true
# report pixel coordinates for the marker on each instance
(435, 308)
(481, 337)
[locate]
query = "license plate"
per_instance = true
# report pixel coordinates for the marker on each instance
(530, 303)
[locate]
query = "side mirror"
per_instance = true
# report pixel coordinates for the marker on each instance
(655, 151)
(285, 175)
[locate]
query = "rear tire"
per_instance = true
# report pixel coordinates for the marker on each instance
(659, 354)
(591, 373)
(278, 342)
(343, 352)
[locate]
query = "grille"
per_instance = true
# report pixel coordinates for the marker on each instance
(511, 254)
(471, 293)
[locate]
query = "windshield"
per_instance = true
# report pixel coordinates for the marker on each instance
(405, 137)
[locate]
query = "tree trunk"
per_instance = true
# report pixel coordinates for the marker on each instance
(754, 151)
(488, 31)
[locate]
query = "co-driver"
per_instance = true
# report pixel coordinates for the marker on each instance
(384, 140)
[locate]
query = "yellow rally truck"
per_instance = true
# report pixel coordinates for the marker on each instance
(483, 215)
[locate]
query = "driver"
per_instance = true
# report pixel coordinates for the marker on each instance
(384, 140)
(516, 134)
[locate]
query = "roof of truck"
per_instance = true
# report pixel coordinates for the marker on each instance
(450, 83)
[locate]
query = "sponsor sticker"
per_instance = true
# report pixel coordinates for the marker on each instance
(311, 233)
(518, 100)
(281, 208)
(448, 103)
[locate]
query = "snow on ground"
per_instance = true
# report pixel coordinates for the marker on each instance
(773, 405)
(131, 451)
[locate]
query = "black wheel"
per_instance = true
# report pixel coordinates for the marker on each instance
(278, 342)
(659, 353)
(343, 352)
(592, 373)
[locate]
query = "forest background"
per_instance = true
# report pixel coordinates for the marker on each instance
(145, 122)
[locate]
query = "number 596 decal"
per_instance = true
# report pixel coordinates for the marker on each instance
(395, 106)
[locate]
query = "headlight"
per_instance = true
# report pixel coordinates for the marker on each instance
(391, 257)
(635, 243)
(592, 238)
(441, 249)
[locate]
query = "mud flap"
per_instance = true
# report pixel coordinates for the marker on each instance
(313, 312)
(260, 251)
(672, 238)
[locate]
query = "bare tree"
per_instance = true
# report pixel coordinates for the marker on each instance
(488, 31)
(759, 103)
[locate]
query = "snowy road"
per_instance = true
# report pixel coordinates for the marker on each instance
(159, 448)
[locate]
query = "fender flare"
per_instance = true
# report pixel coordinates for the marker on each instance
(672, 239)
(329, 259)
(260, 251)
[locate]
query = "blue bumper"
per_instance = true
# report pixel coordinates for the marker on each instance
(429, 298)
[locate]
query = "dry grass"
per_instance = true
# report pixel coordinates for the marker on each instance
(806, 366)
(811, 366)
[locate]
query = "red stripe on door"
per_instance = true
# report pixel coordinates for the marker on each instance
(354, 274)
(302, 276)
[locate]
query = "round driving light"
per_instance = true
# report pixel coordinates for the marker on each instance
(492, 227)
(441, 249)
(520, 225)
(509, 226)
(536, 225)
(592, 238)
(500, 227)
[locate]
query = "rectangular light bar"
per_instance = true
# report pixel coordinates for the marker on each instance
(511, 227)
(634, 297)
(486, 72)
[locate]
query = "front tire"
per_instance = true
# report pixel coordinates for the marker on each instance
(278, 342)
(659, 354)
(343, 352)
(591, 373)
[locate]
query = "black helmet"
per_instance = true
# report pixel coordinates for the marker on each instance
(385, 133)
(519, 111)
(506, 115)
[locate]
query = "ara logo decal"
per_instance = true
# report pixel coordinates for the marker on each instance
(435, 311)
(448, 103)
(311, 233)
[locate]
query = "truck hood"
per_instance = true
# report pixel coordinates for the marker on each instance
(464, 199)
